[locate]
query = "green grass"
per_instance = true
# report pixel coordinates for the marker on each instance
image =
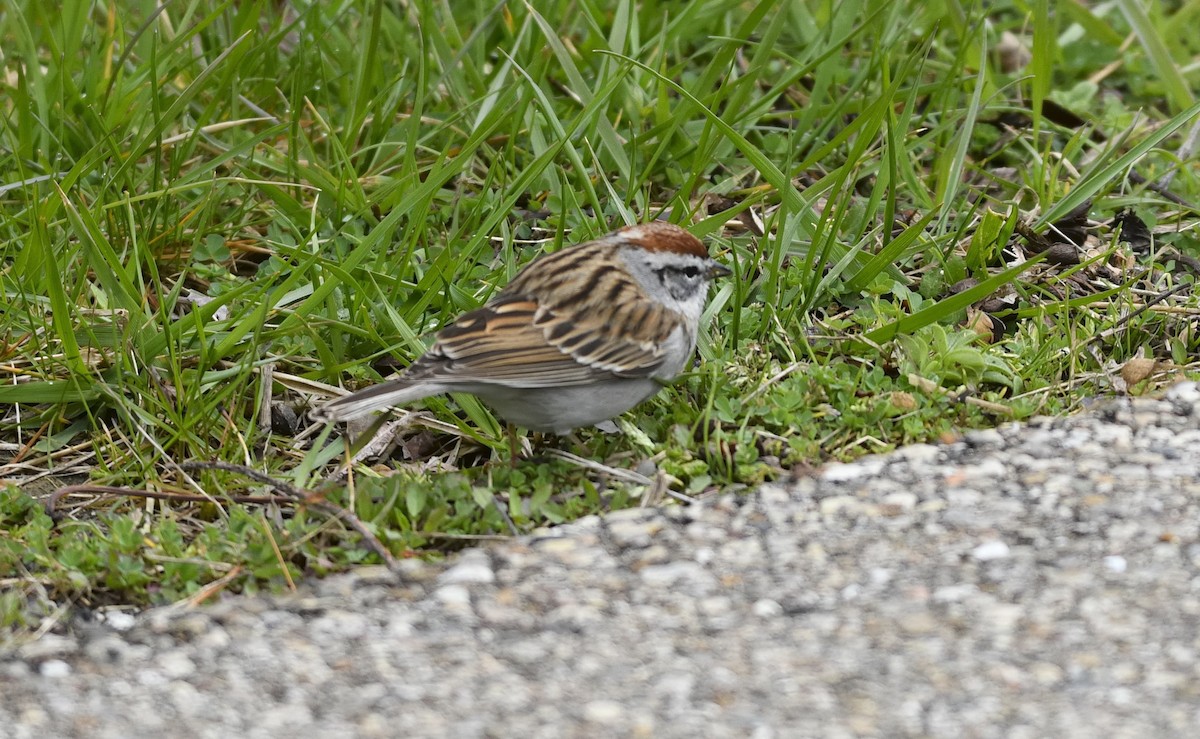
(210, 209)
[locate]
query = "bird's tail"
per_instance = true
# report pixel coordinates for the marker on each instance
(374, 398)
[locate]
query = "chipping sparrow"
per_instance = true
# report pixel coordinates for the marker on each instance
(577, 337)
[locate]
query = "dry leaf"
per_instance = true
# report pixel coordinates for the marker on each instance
(902, 401)
(1136, 370)
(981, 323)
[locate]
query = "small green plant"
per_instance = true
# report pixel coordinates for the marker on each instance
(954, 357)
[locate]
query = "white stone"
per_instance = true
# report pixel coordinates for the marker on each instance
(919, 454)
(603, 712)
(1115, 563)
(990, 550)
(119, 620)
(453, 595)
(766, 608)
(54, 669)
(473, 567)
(176, 664)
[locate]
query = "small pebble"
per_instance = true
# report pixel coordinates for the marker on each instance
(605, 712)
(990, 550)
(54, 669)
(766, 608)
(472, 567)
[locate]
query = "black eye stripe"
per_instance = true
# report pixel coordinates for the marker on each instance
(688, 271)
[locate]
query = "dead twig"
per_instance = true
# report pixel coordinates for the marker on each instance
(51, 503)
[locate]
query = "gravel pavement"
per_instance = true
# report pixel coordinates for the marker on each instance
(1035, 580)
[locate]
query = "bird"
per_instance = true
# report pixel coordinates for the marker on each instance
(578, 336)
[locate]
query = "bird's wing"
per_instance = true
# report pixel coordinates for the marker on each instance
(516, 341)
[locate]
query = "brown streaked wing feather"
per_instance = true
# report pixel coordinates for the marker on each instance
(604, 346)
(512, 341)
(500, 343)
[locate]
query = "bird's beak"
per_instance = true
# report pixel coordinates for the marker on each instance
(716, 269)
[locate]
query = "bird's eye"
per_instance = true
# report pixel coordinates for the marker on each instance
(691, 271)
